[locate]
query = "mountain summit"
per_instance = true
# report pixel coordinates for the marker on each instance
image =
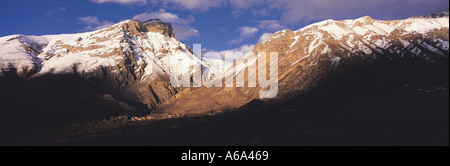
(152, 25)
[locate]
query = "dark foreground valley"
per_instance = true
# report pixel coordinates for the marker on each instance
(356, 108)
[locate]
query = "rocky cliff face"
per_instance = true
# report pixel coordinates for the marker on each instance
(375, 52)
(153, 25)
(132, 59)
(312, 52)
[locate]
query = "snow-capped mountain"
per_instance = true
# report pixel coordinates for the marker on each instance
(367, 36)
(131, 55)
(135, 59)
(359, 74)
(316, 53)
(330, 43)
(147, 48)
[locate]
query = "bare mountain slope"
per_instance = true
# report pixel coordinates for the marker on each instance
(395, 49)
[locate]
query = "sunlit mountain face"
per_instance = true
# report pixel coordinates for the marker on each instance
(360, 81)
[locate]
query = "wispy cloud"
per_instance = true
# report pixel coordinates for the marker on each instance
(93, 23)
(120, 1)
(193, 5)
(56, 11)
(271, 25)
(89, 20)
(247, 31)
(244, 33)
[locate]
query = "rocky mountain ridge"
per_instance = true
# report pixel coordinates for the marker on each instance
(309, 56)
(129, 56)
(135, 59)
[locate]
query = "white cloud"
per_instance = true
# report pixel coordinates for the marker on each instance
(89, 20)
(93, 23)
(264, 37)
(244, 49)
(248, 31)
(247, 48)
(244, 33)
(271, 25)
(183, 31)
(193, 5)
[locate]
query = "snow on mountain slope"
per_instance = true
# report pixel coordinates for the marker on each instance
(336, 41)
(132, 59)
(146, 47)
(366, 36)
(311, 55)
(20, 52)
(323, 46)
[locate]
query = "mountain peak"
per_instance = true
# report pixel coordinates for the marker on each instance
(152, 25)
(365, 18)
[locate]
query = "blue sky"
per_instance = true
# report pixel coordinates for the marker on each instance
(216, 24)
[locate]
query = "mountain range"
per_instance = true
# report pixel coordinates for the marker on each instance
(358, 69)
